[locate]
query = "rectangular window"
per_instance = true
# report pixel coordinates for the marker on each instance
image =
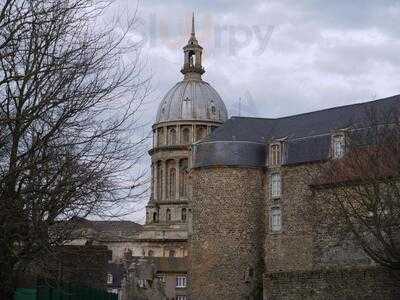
(276, 219)
(180, 281)
(275, 155)
(109, 278)
(161, 278)
(276, 185)
(338, 146)
(181, 297)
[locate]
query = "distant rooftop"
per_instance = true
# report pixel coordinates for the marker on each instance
(109, 230)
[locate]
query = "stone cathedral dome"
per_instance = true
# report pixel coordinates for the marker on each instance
(192, 98)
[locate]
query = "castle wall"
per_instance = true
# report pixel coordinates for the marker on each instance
(305, 262)
(228, 230)
(291, 248)
(354, 283)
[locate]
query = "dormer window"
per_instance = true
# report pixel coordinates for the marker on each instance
(275, 154)
(338, 146)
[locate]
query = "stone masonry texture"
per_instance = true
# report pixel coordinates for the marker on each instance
(228, 233)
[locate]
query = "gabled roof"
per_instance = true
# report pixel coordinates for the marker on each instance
(106, 230)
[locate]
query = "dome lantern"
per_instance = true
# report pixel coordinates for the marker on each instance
(192, 67)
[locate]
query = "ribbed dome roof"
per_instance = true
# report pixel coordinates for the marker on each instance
(192, 99)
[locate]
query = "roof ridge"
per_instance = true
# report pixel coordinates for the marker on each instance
(320, 110)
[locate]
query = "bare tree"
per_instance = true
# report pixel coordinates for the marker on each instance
(70, 93)
(357, 197)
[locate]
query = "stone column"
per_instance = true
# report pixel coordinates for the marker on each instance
(152, 182)
(178, 133)
(164, 179)
(155, 180)
(177, 177)
(165, 129)
(154, 138)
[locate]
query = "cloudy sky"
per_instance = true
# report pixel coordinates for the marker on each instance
(279, 57)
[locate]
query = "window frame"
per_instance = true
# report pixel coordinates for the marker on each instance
(181, 281)
(276, 185)
(110, 278)
(168, 215)
(276, 228)
(183, 214)
(275, 154)
(338, 145)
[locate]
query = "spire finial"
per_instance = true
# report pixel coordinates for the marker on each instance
(193, 25)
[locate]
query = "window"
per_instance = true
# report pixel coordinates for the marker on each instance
(183, 217)
(181, 297)
(172, 137)
(155, 218)
(186, 136)
(168, 214)
(171, 253)
(151, 253)
(172, 183)
(161, 278)
(201, 132)
(276, 185)
(180, 281)
(109, 278)
(338, 145)
(275, 155)
(160, 136)
(142, 283)
(276, 219)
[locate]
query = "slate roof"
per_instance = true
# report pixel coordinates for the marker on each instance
(307, 135)
(107, 230)
(299, 126)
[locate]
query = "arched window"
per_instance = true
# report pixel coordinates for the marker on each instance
(172, 137)
(151, 252)
(160, 136)
(172, 183)
(183, 217)
(155, 217)
(183, 178)
(200, 132)
(168, 214)
(186, 136)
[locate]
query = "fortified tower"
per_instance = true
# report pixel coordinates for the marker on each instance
(189, 111)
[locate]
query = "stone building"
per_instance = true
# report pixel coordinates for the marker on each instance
(251, 238)
(189, 111)
(226, 218)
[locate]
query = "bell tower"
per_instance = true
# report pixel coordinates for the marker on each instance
(192, 68)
